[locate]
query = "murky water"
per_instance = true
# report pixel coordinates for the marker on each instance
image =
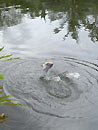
(66, 33)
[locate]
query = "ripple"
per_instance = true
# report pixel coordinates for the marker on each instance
(63, 97)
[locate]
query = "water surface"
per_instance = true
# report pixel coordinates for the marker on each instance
(66, 33)
(50, 28)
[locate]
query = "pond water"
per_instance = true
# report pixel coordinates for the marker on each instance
(33, 28)
(66, 33)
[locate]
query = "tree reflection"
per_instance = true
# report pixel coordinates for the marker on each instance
(10, 16)
(70, 13)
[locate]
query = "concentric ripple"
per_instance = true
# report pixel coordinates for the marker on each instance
(59, 93)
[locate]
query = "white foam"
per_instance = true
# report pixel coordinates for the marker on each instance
(74, 75)
(57, 79)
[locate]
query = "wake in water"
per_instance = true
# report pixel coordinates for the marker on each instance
(67, 89)
(48, 65)
(57, 84)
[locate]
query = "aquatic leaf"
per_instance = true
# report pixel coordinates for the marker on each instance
(13, 104)
(2, 118)
(13, 58)
(1, 48)
(7, 100)
(1, 57)
(1, 77)
(1, 87)
(4, 97)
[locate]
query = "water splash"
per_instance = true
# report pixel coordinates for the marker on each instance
(69, 90)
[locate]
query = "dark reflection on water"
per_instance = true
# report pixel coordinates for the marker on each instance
(72, 13)
(30, 26)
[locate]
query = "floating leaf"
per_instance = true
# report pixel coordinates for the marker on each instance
(1, 77)
(1, 87)
(2, 118)
(13, 58)
(4, 97)
(1, 57)
(7, 100)
(1, 48)
(13, 104)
